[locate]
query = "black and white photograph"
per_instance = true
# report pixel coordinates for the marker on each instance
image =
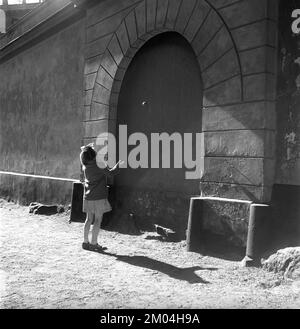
(149, 159)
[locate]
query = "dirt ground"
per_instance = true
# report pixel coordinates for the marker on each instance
(43, 266)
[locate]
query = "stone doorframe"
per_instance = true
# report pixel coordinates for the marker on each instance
(238, 108)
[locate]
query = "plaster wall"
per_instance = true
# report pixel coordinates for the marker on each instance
(41, 94)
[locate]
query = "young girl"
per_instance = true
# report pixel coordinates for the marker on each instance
(95, 202)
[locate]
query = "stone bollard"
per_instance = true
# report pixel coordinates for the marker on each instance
(257, 234)
(76, 206)
(194, 225)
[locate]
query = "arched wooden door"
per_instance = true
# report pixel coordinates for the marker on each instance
(161, 92)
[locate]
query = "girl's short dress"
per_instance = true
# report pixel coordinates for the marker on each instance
(97, 207)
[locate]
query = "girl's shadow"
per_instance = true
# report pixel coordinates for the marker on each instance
(186, 274)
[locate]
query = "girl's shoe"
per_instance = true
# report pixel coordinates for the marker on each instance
(96, 247)
(85, 245)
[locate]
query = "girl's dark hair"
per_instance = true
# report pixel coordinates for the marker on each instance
(88, 154)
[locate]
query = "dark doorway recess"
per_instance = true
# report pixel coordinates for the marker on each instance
(161, 92)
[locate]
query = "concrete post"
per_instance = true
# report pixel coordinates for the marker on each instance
(194, 224)
(257, 234)
(76, 206)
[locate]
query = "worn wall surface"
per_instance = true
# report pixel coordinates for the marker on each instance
(288, 105)
(41, 93)
(286, 192)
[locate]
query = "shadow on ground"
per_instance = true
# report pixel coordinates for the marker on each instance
(216, 246)
(186, 274)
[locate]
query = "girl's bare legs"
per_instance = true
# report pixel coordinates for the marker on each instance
(96, 229)
(87, 225)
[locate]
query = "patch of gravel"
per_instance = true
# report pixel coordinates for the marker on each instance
(42, 265)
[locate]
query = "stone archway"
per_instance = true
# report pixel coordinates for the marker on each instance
(199, 22)
(233, 48)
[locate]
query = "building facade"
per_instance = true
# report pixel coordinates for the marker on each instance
(228, 69)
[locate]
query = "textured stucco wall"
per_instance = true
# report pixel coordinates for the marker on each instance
(286, 192)
(288, 105)
(41, 95)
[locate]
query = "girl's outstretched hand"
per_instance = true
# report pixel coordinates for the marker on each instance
(118, 164)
